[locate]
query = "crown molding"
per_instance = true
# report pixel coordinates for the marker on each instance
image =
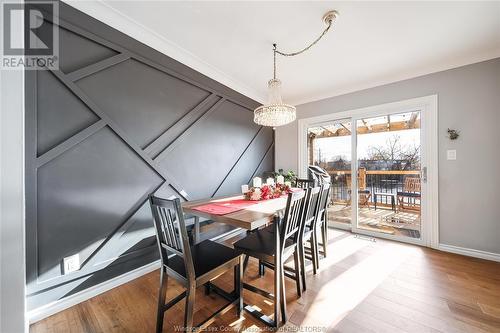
(105, 13)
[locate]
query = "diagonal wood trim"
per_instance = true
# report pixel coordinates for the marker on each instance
(90, 104)
(181, 137)
(130, 214)
(174, 131)
(239, 158)
(97, 67)
(69, 143)
(261, 161)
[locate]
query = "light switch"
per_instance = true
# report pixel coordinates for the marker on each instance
(451, 154)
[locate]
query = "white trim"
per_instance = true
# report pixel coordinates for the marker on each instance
(67, 302)
(429, 108)
(469, 252)
(109, 15)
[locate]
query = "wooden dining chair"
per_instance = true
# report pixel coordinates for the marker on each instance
(273, 247)
(319, 228)
(192, 266)
(412, 193)
(307, 236)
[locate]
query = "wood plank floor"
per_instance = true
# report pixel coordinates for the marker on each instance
(362, 286)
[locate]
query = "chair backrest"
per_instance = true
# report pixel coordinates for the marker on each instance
(412, 184)
(292, 219)
(311, 206)
(323, 202)
(304, 183)
(171, 233)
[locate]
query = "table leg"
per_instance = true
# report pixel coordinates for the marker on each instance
(196, 229)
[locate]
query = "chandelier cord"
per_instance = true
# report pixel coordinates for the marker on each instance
(274, 61)
(291, 54)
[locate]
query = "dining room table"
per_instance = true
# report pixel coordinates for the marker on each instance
(234, 210)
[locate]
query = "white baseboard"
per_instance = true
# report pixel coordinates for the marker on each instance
(62, 304)
(470, 252)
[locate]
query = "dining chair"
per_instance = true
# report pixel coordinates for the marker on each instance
(311, 209)
(273, 248)
(191, 265)
(323, 218)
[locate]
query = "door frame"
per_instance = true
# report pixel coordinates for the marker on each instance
(428, 106)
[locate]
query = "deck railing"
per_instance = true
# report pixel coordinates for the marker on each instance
(377, 181)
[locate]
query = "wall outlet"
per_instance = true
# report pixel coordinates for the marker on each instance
(451, 154)
(71, 263)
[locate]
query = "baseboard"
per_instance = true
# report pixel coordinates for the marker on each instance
(470, 252)
(62, 304)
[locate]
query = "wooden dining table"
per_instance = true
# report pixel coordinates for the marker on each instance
(249, 218)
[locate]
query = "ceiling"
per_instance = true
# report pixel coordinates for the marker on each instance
(372, 43)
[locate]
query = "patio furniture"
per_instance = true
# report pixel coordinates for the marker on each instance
(409, 198)
(387, 195)
(191, 266)
(364, 195)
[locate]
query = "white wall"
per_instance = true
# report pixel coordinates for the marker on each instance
(12, 263)
(469, 101)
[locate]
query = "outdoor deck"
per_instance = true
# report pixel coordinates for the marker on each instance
(383, 220)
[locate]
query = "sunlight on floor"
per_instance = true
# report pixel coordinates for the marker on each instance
(337, 297)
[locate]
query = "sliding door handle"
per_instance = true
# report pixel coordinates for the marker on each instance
(423, 174)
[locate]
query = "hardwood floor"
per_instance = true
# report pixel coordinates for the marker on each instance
(362, 286)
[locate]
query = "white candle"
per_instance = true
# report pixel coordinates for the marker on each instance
(280, 179)
(270, 181)
(289, 184)
(257, 182)
(244, 189)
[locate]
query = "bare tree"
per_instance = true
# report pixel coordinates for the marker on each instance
(403, 157)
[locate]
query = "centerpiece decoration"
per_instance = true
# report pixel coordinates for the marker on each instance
(267, 191)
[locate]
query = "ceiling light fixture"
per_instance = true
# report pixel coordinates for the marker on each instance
(276, 113)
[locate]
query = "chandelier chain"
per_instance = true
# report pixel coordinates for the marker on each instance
(291, 54)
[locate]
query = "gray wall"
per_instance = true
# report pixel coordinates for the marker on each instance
(469, 101)
(115, 123)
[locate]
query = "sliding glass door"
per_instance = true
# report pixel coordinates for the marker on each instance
(329, 147)
(387, 148)
(388, 168)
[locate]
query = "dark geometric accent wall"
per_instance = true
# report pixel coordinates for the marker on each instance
(115, 123)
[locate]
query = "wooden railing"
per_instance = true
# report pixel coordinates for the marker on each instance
(375, 181)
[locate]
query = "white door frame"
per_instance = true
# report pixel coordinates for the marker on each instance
(428, 106)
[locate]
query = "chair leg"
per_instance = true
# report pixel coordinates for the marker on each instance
(238, 286)
(283, 295)
(324, 235)
(188, 314)
(313, 253)
(297, 272)
(161, 299)
(277, 290)
(245, 263)
(303, 265)
(262, 269)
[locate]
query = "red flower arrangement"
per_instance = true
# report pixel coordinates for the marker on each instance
(267, 192)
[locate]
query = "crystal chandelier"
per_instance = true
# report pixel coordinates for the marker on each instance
(276, 113)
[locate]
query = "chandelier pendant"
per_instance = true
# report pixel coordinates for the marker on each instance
(276, 113)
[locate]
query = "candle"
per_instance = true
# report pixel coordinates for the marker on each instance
(280, 179)
(270, 181)
(257, 182)
(244, 189)
(289, 184)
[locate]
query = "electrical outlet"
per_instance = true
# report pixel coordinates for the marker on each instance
(71, 263)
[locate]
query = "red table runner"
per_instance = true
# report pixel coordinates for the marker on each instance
(224, 207)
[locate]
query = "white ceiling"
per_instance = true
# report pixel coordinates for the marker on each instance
(372, 43)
